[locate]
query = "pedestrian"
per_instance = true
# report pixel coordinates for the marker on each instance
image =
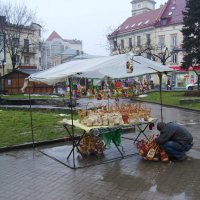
(175, 139)
(169, 84)
(151, 84)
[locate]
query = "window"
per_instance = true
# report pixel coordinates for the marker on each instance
(15, 42)
(17, 59)
(9, 82)
(48, 52)
(122, 44)
(26, 60)
(138, 5)
(39, 32)
(40, 46)
(130, 43)
(40, 61)
(174, 40)
(138, 41)
(163, 22)
(126, 26)
(115, 44)
(161, 41)
(174, 59)
(26, 45)
(57, 48)
(148, 55)
(148, 39)
(170, 13)
(2, 47)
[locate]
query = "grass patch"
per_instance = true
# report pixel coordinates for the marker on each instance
(171, 98)
(15, 127)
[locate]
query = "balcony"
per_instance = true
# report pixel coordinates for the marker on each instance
(29, 50)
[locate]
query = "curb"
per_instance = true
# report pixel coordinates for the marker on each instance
(36, 144)
(188, 109)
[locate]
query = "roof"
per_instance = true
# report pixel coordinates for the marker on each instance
(141, 21)
(24, 71)
(55, 35)
(29, 71)
(172, 11)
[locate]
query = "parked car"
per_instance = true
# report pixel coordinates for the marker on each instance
(192, 86)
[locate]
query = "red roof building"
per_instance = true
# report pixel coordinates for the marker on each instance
(150, 27)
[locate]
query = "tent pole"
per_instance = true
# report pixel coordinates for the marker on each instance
(31, 117)
(71, 109)
(160, 90)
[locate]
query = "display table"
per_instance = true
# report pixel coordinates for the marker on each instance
(106, 130)
(87, 129)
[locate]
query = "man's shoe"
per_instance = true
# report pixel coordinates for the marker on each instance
(185, 157)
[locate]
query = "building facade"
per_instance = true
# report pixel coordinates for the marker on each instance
(57, 50)
(151, 29)
(154, 33)
(25, 42)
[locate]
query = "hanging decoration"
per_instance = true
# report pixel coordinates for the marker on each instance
(129, 66)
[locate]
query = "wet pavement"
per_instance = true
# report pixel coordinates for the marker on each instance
(31, 175)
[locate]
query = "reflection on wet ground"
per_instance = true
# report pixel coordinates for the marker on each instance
(29, 174)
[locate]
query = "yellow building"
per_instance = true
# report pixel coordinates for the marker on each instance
(25, 42)
(150, 28)
(154, 33)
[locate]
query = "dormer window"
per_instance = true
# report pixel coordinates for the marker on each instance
(139, 23)
(163, 22)
(170, 13)
(132, 25)
(126, 27)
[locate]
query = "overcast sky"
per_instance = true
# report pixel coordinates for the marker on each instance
(86, 20)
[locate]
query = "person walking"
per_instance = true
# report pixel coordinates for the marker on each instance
(175, 139)
(169, 87)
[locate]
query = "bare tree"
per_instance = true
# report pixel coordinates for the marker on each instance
(161, 53)
(116, 44)
(16, 24)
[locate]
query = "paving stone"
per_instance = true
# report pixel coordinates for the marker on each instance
(30, 175)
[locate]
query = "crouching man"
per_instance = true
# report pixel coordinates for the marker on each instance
(175, 139)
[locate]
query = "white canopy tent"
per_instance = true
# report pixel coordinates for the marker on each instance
(113, 67)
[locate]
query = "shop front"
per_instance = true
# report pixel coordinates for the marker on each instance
(181, 77)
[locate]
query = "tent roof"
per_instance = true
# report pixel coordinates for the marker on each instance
(99, 68)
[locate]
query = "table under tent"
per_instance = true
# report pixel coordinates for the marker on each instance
(116, 67)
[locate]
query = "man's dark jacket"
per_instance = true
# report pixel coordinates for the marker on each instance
(174, 132)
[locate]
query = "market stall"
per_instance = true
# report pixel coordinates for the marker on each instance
(111, 67)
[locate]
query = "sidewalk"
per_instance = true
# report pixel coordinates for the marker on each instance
(30, 175)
